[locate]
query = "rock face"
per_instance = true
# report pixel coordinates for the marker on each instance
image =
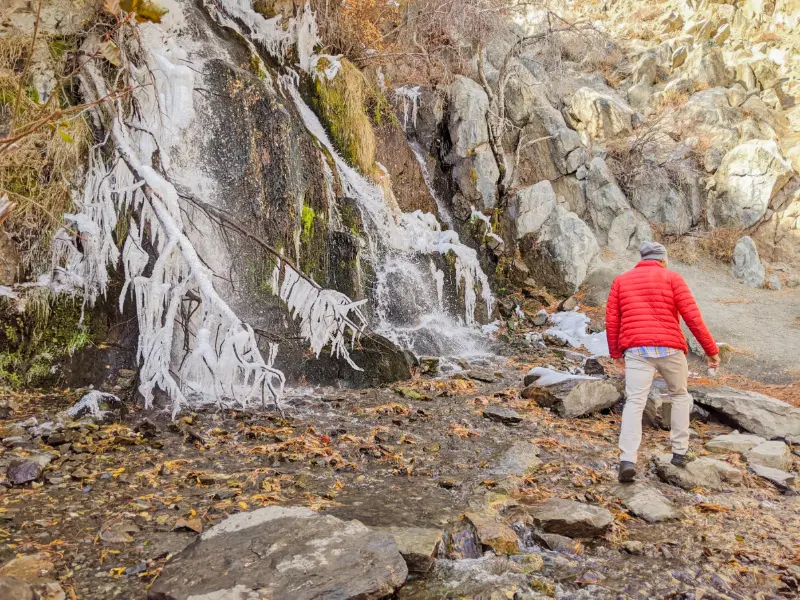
(706, 67)
(702, 473)
(750, 175)
(572, 519)
(559, 256)
(773, 454)
(645, 502)
(284, 553)
(521, 459)
(747, 266)
(734, 442)
(759, 414)
(575, 397)
(610, 212)
(604, 115)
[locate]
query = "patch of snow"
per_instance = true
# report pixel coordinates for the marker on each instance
(572, 328)
(547, 377)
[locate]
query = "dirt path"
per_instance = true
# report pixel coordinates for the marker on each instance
(117, 499)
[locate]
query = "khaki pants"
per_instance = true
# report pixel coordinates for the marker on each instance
(639, 373)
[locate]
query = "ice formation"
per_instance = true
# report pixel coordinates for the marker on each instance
(547, 377)
(572, 328)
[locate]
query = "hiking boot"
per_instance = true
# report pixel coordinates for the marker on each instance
(627, 471)
(681, 460)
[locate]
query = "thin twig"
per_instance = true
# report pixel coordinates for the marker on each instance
(27, 66)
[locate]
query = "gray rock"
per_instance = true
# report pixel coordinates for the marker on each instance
(559, 255)
(679, 56)
(759, 414)
(540, 318)
(418, 546)
(747, 267)
(727, 472)
(477, 177)
(429, 364)
(284, 552)
(592, 366)
(608, 208)
(705, 66)
(734, 442)
(502, 415)
(468, 104)
(522, 458)
(645, 502)
(773, 454)
(530, 207)
(575, 397)
(780, 479)
(700, 473)
(657, 198)
(553, 541)
(633, 547)
(14, 589)
(23, 471)
(604, 114)
(774, 282)
(572, 519)
(639, 95)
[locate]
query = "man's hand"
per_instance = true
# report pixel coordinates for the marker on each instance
(620, 364)
(713, 361)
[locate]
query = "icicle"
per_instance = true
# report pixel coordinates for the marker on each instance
(410, 96)
(438, 276)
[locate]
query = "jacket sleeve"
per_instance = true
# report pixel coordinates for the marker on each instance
(690, 312)
(613, 320)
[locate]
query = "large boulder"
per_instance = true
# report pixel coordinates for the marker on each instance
(655, 196)
(705, 67)
(284, 552)
(419, 546)
(477, 177)
(559, 255)
(575, 397)
(747, 266)
(762, 415)
(604, 114)
(645, 502)
(530, 207)
(710, 114)
(700, 473)
(750, 176)
(572, 519)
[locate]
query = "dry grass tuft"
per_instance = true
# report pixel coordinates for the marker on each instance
(684, 251)
(647, 13)
(671, 99)
(720, 242)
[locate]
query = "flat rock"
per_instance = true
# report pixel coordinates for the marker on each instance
(23, 471)
(702, 473)
(284, 553)
(781, 479)
(645, 502)
(417, 545)
(14, 589)
(774, 454)
(494, 533)
(29, 568)
(502, 415)
(572, 519)
(734, 442)
(726, 471)
(553, 541)
(575, 397)
(762, 415)
(483, 376)
(522, 458)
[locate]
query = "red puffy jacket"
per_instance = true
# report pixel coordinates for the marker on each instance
(644, 308)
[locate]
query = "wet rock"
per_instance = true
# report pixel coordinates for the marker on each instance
(494, 533)
(573, 519)
(462, 542)
(773, 454)
(284, 552)
(747, 266)
(503, 415)
(645, 502)
(702, 473)
(23, 471)
(556, 542)
(417, 545)
(592, 366)
(575, 397)
(734, 442)
(483, 376)
(568, 304)
(429, 364)
(14, 589)
(759, 414)
(522, 458)
(781, 479)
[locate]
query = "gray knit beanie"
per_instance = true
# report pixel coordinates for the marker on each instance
(653, 251)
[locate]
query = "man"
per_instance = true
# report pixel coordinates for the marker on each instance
(643, 325)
